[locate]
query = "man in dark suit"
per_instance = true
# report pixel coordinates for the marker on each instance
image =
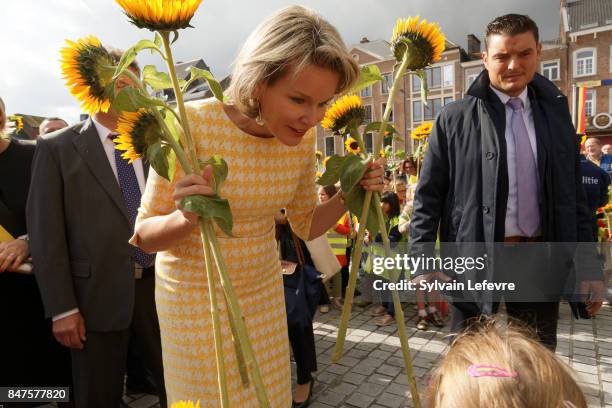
(502, 166)
(98, 289)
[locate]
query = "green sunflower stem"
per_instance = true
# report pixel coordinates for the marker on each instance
(180, 103)
(399, 312)
(352, 283)
(401, 325)
(236, 315)
(214, 311)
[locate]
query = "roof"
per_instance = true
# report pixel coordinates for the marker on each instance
(380, 49)
(588, 14)
(182, 68)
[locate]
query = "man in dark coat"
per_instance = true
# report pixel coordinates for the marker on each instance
(96, 287)
(503, 166)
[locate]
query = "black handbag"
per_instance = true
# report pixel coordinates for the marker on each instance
(302, 290)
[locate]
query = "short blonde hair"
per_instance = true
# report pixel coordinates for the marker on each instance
(542, 380)
(291, 38)
(3, 117)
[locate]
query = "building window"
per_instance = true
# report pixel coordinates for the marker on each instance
(369, 145)
(329, 146)
(365, 92)
(551, 69)
(434, 77)
(447, 100)
(470, 80)
(417, 111)
(382, 112)
(416, 83)
(584, 62)
(589, 104)
(448, 75)
(368, 114)
(432, 109)
(387, 141)
(386, 83)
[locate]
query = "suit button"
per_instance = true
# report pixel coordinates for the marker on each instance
(485, 209)
(490, 155)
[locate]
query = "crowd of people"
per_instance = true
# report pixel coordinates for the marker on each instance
(119, 281)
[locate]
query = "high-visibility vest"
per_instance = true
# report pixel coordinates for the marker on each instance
(337, 241)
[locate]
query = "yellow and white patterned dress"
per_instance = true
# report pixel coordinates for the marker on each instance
(264, 176)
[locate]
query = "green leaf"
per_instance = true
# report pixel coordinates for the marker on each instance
(375, 127)
(163, 159)
(158, 40)
(400, 154)
(211, 207)
(215, 87)
(332, 170)
(353, 169)
(354, 201)
(219, 168)
(170, 120)
(155, 79)
(130, 100)
(131, 53)
(368, 75)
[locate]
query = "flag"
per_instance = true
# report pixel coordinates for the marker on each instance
(581, 117)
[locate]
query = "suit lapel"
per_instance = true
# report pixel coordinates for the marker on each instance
(90, 148)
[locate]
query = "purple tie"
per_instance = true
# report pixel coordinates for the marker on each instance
(526, 173)
(131, 196)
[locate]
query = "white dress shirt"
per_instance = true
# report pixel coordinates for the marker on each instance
(512, 228)
(109, 148)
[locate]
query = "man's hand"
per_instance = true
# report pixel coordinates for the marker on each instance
(12, 254)
(594, 292)
(70, 331)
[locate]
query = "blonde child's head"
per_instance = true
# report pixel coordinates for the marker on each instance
(499, 365)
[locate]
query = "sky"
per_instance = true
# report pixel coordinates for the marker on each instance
(33, 32)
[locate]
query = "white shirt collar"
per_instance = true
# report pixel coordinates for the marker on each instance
(505, 98)
(102, 130)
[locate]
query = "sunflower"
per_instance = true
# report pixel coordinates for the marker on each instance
(88, 70)
(160, 15)
(382, 153)
(422, 131)
(325, 160)
(18, 121)
(347, 110)
(186, 404)
(426, 127)
(423, 41)
(352, 146)
(319, 154)
(137, 131)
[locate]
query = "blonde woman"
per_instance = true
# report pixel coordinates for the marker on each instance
(499, 365)
(287, 72)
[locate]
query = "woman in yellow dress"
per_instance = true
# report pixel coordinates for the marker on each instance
(287, 72)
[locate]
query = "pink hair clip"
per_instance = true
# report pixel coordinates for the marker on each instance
(487, 370)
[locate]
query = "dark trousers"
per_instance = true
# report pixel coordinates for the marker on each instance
(303, 346)
(99, 368)
(541, 317)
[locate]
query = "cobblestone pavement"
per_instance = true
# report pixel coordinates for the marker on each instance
(370, 373)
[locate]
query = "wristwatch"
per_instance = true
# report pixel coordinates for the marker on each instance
(25, 238)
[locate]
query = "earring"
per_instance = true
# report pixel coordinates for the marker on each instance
(259, 120)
